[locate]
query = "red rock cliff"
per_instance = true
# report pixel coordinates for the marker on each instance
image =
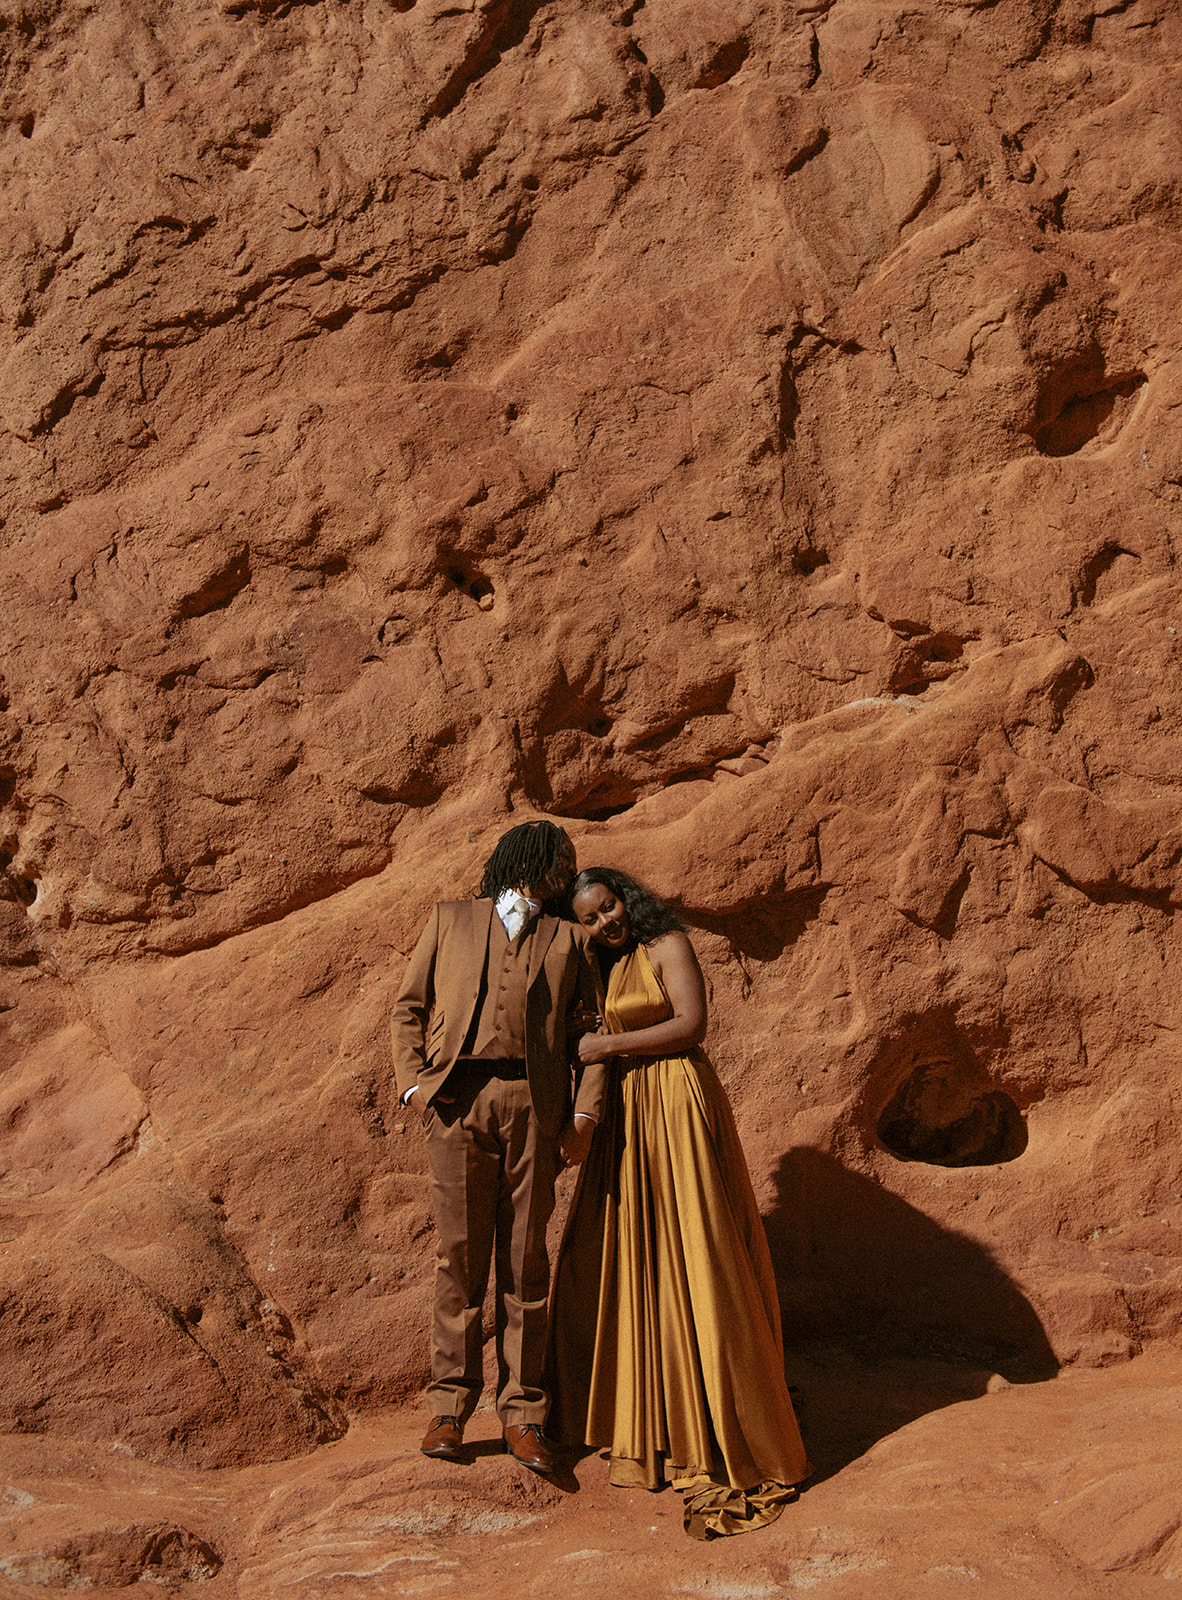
(746, 432)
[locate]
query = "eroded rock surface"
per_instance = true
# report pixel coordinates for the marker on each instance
(746, 433)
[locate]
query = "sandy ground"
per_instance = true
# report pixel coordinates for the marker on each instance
(932, 1481)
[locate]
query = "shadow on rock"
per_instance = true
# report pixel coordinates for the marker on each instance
(887, 1315)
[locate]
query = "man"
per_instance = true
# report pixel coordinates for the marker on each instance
(480, 1047)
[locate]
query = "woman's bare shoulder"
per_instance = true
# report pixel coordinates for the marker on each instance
(671, 949)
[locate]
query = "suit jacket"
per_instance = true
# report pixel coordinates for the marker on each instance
(439, 995)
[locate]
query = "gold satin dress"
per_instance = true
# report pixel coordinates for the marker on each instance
(665, 1330)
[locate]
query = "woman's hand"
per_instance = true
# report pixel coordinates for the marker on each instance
(595, 1047)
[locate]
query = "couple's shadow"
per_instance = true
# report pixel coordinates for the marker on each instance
(887, 1314)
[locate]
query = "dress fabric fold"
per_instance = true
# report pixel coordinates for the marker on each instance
(665, 1329)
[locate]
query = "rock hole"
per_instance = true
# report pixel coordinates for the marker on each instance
(474, 584)
(531, 183)
(601, 813)
(1086, 410)
(219, 589)
(787, 405)
(927, 660)
(944, 647)
(599, 727)
(175, 1553)
(723, 64)
(1097, 570)
(811, 144)
(808, 561)
(941, 1114)
(22, 890)
(26, 125)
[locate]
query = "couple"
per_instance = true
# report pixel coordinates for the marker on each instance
(665, 1338)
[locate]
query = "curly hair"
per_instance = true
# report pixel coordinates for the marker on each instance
(648, 917)
(523, 858)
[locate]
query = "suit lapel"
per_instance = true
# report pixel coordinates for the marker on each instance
(543, 935)
(479, 932)
(482, 929)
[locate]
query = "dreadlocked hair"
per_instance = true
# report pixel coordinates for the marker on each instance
(523, 858)
(648, 917)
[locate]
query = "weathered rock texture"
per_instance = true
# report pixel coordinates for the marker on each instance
(748, 432)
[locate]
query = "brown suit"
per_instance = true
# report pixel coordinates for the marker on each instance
(491, 1141)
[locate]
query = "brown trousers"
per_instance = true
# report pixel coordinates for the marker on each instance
(492, 1180)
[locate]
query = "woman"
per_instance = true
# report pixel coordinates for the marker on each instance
(666, 1342)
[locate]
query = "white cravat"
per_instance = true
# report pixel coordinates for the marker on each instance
(516, 910)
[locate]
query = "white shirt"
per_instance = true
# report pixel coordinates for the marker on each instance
(516, 911)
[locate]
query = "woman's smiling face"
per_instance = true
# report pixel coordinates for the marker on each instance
(601, 911)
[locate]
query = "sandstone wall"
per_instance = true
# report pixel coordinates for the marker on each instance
(748, 433)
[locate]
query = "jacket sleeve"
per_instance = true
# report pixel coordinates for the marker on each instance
(590, 1082)
(412, 1009)
(590, 1091)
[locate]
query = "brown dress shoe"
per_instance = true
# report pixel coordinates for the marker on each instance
(525, 1443)
(445, 1437)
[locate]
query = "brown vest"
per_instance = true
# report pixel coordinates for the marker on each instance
(498, 1028)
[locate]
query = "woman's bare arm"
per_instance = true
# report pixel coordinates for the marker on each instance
(676, 965)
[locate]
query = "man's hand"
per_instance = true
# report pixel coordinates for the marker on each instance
(581, 1021)
(574, 1141)
(417, 1102)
